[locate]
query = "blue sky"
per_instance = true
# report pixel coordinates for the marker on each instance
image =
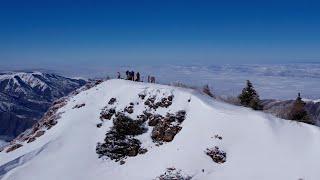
(93, 33)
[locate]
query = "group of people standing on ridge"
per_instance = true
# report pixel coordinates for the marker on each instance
(132, 76)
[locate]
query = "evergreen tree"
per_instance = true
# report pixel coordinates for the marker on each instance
(250, 98)
(298, 112)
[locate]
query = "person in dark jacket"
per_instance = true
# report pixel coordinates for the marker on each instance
(153, 79)
(128, 75)
(132, 76)
(138, 77)
(119, 75)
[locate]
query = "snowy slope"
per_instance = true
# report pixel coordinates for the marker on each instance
(2, 143)
(257, 145)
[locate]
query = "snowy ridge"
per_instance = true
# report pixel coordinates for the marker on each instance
(257, 145)
(26, 96)
(27, 78)
(312, 100)
(24, 82)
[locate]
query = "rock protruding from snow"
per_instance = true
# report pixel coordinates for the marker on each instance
(117, 146)
(174, 174)
(127, 126)
(217, 155)
(106, 113)
(119, 142)
(166, 128)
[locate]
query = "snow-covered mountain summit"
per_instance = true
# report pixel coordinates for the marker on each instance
(128, 130)
(50, 86)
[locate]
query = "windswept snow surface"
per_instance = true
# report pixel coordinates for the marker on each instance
(258, 146)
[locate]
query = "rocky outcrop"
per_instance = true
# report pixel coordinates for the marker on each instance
(119, 142)
(13, 147)
(107, 113)
(126, 126)
(152, 104)
(217, 155)
(117, 146)
(166, 128)
(79, 106)
(173, 174)
(112, 101)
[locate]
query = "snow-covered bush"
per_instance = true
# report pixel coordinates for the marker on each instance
(124, 125)
(173, 174)
(165, 129)
(217, 155)
(106, 114)
(117, 146)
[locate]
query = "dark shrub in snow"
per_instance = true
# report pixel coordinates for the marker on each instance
(166, 102)
(173, 174)
(79, 106)
(165, 129)
(107, 114)
(112, 101)
(119, 143)
(126, 126)
(117, 146)
(217, 155)
(142, 118)
(142, 96)
(154, 119)
(13, 147)
(129, 109)
(181, 116)
(37, 134)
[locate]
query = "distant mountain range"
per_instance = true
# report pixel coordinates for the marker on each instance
(26, 96)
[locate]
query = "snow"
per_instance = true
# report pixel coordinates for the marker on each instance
(258, 145)
(33, 81)
(26, 77)
(311, 100)
(2, 143)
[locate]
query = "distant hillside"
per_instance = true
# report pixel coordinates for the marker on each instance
(281, 108)
(25, 96)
